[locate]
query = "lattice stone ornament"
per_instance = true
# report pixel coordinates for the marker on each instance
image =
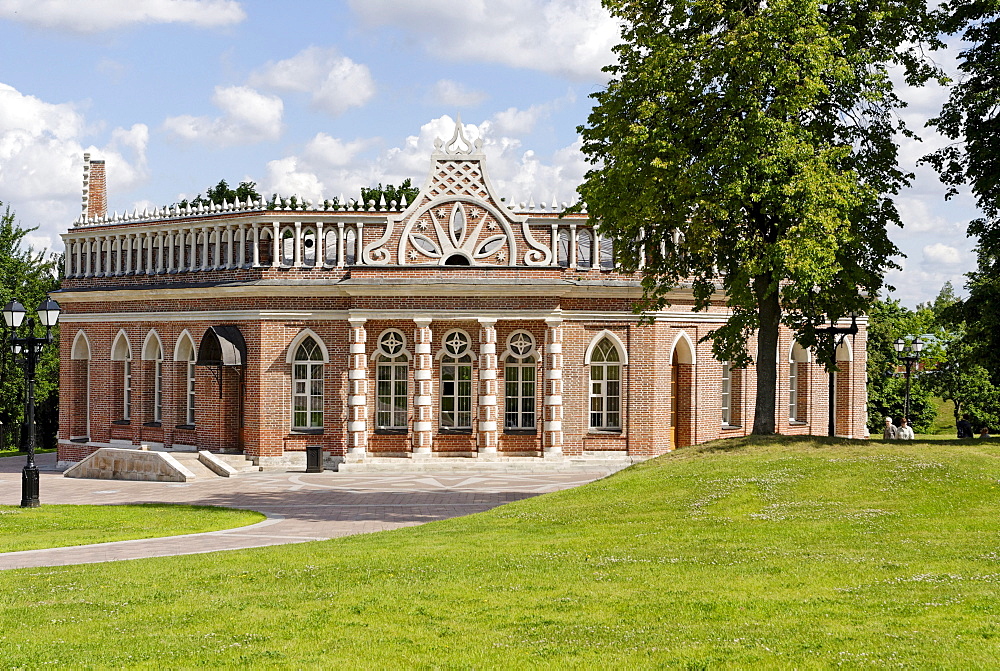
(391, 343)
(521, 344)
(456, 343)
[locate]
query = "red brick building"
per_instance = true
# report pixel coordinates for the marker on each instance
(452, 326)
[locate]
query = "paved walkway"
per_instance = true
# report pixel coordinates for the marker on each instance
(300, 507)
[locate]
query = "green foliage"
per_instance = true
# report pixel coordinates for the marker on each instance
(221, 192)
(27, 276)
(971, 118)
(740, 554)
(749, 147)
(390, 193)
(887, 321)
(950, 369)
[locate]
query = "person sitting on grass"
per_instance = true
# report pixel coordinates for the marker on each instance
(985, 433)
(964, 427)
(889, 433)
(905, 431)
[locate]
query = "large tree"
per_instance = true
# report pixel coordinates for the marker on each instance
(26, 276)
(747, 147)
(971, 118)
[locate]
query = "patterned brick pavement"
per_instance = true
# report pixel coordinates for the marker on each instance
(299, 506)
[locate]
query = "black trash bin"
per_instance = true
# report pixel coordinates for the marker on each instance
(314, 458)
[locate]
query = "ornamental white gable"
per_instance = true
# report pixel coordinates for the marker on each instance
(458, 220)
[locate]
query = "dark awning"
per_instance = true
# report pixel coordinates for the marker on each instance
(222, 346)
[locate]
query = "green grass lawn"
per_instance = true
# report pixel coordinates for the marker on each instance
(17, 453)
(744, 553)
(52, 526)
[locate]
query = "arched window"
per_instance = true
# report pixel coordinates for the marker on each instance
(456, 381)
(350, 247)
(307, 386)
(727, 393)
(391, 386)
(731, 396)
(80, 381)
(330, 248)
(607, 254)
(309, 246)
(185, 354)
(562, 254)
(287, 247)
(519, 382)
(797, 383)
(584, 248)
(605, 386)
(153, 351)
(122, 351)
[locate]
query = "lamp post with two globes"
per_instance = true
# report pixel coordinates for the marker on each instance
(911, 357)
(29, 349)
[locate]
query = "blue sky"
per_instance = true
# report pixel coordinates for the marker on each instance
(322, 97)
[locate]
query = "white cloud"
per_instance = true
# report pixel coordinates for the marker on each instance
(453, 94)
(248, 116)
(335, 82)
(571, 38)
(940, 254)
(517, 174)
(92, 16)
(41, 161)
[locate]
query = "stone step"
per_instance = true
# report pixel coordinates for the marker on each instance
(238, 462)
(190, 461)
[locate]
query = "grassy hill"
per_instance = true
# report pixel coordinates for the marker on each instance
(786, 552)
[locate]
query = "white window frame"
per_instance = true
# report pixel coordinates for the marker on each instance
(603, 394)
(392, 367)
(726, 395)
(456, 360)
(520, 357)
(793, 391)
(314, 372)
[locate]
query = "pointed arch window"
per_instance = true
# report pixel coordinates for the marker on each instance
(605, 386)
(456, 382)
(519, 382)
(153, 351)
(307, 386)
(185, 355)
(391, 383)
(122, 351)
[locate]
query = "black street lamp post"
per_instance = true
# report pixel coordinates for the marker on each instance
(29, 348)
(911, 357)
(843, 331)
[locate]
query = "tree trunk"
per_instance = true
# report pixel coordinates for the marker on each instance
(769, 314)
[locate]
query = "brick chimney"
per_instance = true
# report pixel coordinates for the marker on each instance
(95, 194)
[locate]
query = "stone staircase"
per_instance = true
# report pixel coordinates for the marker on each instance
(206, 465)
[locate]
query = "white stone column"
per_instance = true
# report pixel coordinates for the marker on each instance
(320, 244)
(241, 256)
(552, 436)
(297, 255)
(555, 244)
(148, 236)
(255, 254)
(572, 246)
(276, 253)
(169, 238)
(357, 400)
(98, 260)
(423, 418)
(359, 257)
(130, 252)
(340, 244)
(88, 249)
(488, 432)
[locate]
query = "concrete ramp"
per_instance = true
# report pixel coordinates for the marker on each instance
(113, 463)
